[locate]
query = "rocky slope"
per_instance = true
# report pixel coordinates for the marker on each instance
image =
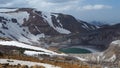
(99, 38)
(29, 25)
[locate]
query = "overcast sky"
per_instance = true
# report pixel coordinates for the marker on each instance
(87, 10)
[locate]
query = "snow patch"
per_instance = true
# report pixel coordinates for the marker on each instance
(82, 59)
(34, 53)
(62, 30)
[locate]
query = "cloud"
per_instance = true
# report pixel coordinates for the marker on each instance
(54, 5)
(5, 5)
(13, 3)
(43, 5)
(60, 1)
(5, 1)
(95, 7)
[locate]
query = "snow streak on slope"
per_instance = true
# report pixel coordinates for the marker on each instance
(47, 17)
(62, 30)
(28, 63)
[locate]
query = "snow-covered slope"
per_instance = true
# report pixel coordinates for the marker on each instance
(29, 25)
(10, 24)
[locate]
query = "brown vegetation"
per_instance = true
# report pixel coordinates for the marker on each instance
(36, 66)
(18, 66)
(56, 63)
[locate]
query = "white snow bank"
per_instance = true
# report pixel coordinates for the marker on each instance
(15, 62)
(116, 42)
(34, 53)
(22, 45)
(82, 59)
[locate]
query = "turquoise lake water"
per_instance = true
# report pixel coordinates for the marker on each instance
(74, 50)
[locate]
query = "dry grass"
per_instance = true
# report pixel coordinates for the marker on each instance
(56, 63)
(19, 66)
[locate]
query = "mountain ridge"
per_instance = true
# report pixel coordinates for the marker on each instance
(36, 24)
(37, 27)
